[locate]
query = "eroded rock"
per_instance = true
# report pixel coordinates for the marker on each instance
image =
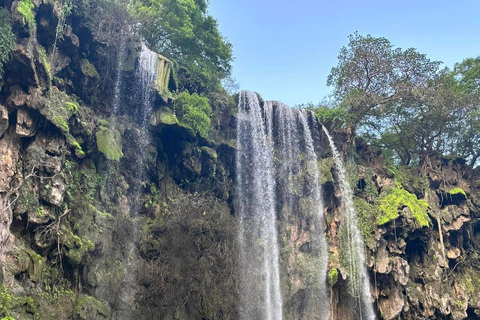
(26, 125)
(53, 190)
(3, 120)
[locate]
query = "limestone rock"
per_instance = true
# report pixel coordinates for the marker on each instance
(3, 120)
(53, 144)
(391, 305)
(401, 270)
(9, 158)
(164, 73)
(26, 126)
(453, 253)
(41, 216)
(17, 98)
(53, 191)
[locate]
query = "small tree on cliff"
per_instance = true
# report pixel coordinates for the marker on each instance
(372, 75)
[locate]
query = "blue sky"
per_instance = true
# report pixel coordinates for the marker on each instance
(285, 49)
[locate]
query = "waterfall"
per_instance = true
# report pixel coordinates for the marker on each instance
(260, 296)
(277, 175)
(145, 77)
(119, 76)
(359, 283)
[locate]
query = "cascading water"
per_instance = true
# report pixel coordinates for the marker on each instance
(277, 175)
(260, 296)
(359, 283)
(145, 79)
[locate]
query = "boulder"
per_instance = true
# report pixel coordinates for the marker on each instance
(26, 126)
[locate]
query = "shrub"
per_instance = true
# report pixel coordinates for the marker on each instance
(194, 111)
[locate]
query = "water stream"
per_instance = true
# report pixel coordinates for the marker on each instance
(359, 283)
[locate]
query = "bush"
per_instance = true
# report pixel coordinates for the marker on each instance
(194, 111)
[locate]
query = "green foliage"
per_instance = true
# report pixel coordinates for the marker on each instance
(7, 39)
(397, 198)
(332, 276)
(336, 116)
(183, 31)
(109, 143)
(154, 198)
(372, 74)
(25, 8)
(194, 111)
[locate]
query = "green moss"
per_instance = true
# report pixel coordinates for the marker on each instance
(87, 307)
(109, 143)
(455, 191)
(397, 198)
(58, 108)
(5, 300)
(209, 152)
(37, 267)
(168, 118)
(7, 39)
(60, 123)
(77, 247)
(367, 219)
(25, 8)
(333, 276)
(88, 69)
(325, 170)
(72, 106)
(42, 54)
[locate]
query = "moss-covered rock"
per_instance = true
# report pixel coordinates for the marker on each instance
(456, 191)
(395, 199)
(88, 69)
(109, 143)
(89, 308)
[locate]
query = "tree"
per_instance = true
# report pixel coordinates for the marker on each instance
(371, 74)
(466, 79)
(183, 31)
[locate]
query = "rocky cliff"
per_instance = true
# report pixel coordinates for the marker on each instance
(74, 246)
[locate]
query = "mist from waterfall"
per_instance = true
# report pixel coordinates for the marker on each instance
(359, 283)
(277, 175)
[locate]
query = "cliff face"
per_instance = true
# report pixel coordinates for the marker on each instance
(77, 241)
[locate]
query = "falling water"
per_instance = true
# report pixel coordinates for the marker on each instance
(145, 78)
(260, 296)
(359, 282)
(277, 175)
(119, 76)
(313, 191)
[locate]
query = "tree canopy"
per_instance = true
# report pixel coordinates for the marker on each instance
(184, 32)
(402, 101)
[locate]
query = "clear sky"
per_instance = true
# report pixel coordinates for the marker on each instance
(285, 49)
